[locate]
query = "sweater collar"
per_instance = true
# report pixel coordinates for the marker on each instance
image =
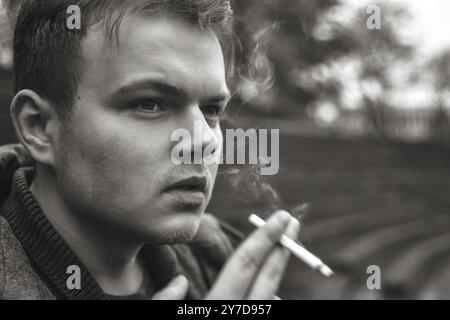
(51, 256)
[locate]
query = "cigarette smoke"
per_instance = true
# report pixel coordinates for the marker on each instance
(255, 76)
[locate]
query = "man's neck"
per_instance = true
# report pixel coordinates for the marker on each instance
(112, 261)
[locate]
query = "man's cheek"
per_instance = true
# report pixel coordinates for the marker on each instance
(112, 157)
(92, 161)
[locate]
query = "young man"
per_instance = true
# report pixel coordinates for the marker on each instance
(95, 108)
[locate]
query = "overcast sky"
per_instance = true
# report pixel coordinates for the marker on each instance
(430, 29)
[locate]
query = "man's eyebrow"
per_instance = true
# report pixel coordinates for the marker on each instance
(221, 97)
(152, 84)
(166, 88)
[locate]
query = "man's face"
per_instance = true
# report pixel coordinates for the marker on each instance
(114, 156)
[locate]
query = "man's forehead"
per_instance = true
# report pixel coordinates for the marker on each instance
(173, 50)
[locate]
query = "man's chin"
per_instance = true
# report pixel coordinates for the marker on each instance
(180, 229)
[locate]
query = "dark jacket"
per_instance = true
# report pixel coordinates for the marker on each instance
(34, 259)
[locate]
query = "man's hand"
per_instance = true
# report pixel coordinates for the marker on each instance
(177, 289)
(256, 268)
(254, 271)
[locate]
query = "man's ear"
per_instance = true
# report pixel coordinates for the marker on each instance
(35, 121)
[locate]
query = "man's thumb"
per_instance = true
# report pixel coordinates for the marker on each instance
(176, 290)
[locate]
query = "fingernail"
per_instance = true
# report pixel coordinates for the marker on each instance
(180, 279)
(283, 217)
(293, 228)
(297, 223)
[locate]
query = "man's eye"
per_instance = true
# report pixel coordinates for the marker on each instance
(212, 111)
(213, 114)
(149, 106)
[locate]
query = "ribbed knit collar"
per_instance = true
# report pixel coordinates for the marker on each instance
(50, 256)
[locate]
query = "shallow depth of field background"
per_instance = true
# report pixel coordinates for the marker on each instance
(364, 122)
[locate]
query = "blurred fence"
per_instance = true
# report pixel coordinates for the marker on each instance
(371, 203)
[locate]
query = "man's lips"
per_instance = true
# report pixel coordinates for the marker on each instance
(191, 184)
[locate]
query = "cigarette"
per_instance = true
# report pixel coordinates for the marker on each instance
(296, 249)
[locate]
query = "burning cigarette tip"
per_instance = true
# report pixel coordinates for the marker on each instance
(326, 271)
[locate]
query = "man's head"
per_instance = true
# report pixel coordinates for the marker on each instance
(96, 107)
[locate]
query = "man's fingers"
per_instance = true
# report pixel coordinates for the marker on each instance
(268, 280)
(238, 274)
(176, 290)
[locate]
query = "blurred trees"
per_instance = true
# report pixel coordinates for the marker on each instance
(277, 38)
(326, 64)
(5, 38)
(439, 77)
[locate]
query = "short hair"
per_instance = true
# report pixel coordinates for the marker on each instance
(48, 57)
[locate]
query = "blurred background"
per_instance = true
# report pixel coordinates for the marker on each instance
(364, 127)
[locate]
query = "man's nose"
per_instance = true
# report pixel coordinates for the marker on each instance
(204, 141)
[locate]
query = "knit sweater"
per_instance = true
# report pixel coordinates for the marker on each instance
(34, 259)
